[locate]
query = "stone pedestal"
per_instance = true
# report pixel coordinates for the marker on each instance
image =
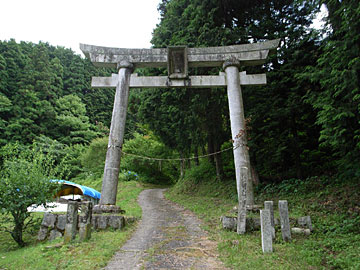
(116, 136)
(71, 222)
(284, 221)
(107, 209)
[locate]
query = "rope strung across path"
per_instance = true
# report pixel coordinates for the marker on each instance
(179, 159)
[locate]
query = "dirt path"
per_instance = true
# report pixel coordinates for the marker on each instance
(168, 237)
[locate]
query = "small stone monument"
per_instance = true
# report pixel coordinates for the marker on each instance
(71, 222)
(241, 221)
(266, 231)
(305, 222)
(85, 219)
(270, 206)
(284, 221)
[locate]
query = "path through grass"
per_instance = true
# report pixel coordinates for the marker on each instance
(333, 206)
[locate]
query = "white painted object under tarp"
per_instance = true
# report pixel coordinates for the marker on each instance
(54, 206)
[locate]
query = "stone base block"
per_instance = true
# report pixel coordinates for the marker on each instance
(43, 233)
(54, 234)
(301, 231)
(230, 223)
(53, 225)
(102, 222)
(107, 209)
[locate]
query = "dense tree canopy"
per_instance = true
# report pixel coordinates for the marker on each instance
(305, 121)
(45, 90)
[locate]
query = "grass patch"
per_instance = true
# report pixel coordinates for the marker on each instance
(91, 254)
(333, 206)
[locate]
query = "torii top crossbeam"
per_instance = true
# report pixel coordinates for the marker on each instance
(247, 54)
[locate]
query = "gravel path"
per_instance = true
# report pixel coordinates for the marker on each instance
(168, 237)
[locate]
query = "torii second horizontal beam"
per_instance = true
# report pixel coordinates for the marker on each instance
(164, 82)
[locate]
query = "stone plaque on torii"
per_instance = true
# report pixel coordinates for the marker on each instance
(178, 59)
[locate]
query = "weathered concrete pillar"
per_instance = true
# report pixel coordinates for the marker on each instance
(85, 219)
(284, 221)
(266, 231)
(238, 131)
(71, 222)
(269, 205)
(116, 136)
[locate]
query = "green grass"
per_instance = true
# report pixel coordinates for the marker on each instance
(333, 206)
(91, 254)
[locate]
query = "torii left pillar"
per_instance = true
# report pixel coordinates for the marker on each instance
(116, 137)
(238, 131)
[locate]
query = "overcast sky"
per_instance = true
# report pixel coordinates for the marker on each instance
(111, 23)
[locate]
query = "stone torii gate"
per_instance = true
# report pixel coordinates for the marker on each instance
(178, 59)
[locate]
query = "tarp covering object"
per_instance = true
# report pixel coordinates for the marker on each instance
(73, 188)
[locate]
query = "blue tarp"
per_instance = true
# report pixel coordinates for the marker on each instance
(74, 188)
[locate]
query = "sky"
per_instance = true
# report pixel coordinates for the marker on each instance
(110, 23)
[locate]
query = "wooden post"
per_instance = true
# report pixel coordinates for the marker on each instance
(116, 136)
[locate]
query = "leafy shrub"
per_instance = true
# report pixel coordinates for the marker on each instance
(68, 155)
(25, 181)
(204, 172)
(93, 158)
(129, 176)
(148, 170)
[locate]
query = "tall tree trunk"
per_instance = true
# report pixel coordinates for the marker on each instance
(182, 166)
(196, 153)
(210, 147)
(218, 163)
(17, 232)
(296, 148)
(254, 175)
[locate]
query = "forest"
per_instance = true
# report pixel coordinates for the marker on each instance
(304, 122)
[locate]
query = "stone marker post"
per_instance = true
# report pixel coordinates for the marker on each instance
(116, 136)
(241, 218)
(266, 230)
(71, 222)
(270, 206)
(238, 131)
(85, 219)
(284, 221)
(305, 222)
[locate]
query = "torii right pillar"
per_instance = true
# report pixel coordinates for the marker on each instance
(244, 183)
